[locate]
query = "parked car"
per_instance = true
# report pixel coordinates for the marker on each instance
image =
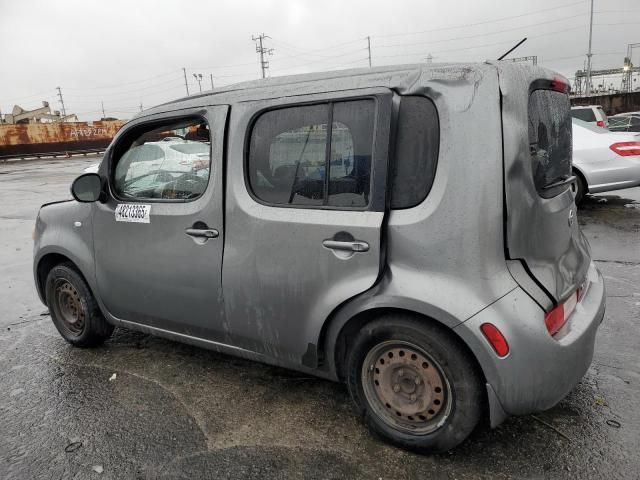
(603, 160)
(444, 281)
(625, 122)
(590, 113)
(170, 153)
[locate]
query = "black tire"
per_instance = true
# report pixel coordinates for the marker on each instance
(461, 396)
(73, 308)
(580, 189)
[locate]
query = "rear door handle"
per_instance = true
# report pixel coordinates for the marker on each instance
(202, 233)
(353, 246)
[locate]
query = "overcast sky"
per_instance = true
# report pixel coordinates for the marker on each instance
(130, 52)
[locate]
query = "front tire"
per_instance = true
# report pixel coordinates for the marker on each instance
(413, 384)
(579, 189)
(73, 309)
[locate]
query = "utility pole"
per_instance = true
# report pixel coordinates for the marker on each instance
(64, 112)
(369, 49)
(186, 85)
(198, 77)
(627, 75)
(140, 106)
(211, 75)
(588, 86)
(103, 114)
(260, 48)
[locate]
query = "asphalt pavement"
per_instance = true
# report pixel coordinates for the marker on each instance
(143, 407)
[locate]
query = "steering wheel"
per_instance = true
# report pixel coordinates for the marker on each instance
(196, 185)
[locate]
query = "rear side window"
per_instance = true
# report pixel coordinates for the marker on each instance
(585, 114)
(292, 149)
(549, 140)
(416, 152)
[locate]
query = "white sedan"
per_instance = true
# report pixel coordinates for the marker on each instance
(604, 160)
(179, 154)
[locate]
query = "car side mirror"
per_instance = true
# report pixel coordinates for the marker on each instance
(87, 188)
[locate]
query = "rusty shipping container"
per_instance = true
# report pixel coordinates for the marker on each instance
(41, 139)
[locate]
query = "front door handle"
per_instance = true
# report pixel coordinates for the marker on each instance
(352, 246)
(202, 232)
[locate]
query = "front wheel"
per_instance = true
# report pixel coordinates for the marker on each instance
(73, 309)
(414, 384)
(579, 189)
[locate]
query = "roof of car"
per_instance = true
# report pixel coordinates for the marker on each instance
(577, 107)
(399, 77)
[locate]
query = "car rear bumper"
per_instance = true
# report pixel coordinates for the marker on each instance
(539, 370)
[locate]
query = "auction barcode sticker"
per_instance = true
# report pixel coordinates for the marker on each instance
(129, 212)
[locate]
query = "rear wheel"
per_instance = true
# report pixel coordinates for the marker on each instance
(413, 384)
(73, 309)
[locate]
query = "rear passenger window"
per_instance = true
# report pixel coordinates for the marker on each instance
(585, 114)
(416, 152)
(291, 149)
(550, 140)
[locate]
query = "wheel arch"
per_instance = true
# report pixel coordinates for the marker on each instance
(580, 173)
(44, 265)
(344, 324)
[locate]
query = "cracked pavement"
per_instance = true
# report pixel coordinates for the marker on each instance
(177, 411)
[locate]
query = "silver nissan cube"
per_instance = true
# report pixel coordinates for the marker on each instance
(410, 231)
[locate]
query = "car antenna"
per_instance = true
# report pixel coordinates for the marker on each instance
(516, 46)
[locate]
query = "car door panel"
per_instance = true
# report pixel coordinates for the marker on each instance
(283, 271)
(154, 273)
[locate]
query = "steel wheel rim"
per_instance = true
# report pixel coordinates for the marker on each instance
(406, 387)
(69, 309)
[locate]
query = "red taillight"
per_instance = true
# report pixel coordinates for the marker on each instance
(600, 123)
(496, 339)
(560, 84)
(555, 318)
(626, 149)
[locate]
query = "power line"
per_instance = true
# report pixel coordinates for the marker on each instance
(315, 62)
(307, 54)
(481, 45)
(466, 25)
(173, 92)
(118, 85)
(580, 56)
(349, 63)
(119, 93)
(479, 34)
(35, 95)
(312, 52)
